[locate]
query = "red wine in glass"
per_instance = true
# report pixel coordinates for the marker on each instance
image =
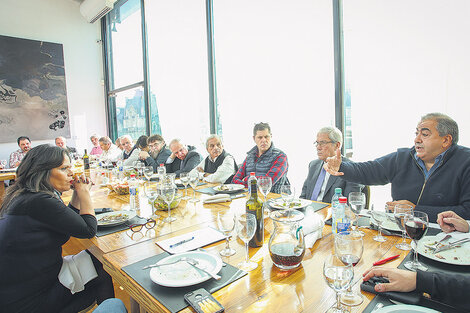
(350, 259)
(416, 229)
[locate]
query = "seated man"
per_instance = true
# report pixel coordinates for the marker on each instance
(182, 159)
(62, 142)
(118, 143)
(433, 176)
(219, 166)
(96, 150)
(320, 185)
(130, 153)
(111, 153)
(264, 160)
(158, 152)
(448, 288)
(15, 157)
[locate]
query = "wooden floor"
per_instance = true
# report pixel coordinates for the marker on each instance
(69, 248)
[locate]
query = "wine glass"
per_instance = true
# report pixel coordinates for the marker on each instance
(167, 192)
(148, 172)
(265, 184)
(245, 225)
(379, 217)
(138, 166)
(399, 212)
(349, 247)
(416, 225)
(226, 223)
(151, 192)
(287, 195)
(184, 177)
(338, 276)
(193, 181)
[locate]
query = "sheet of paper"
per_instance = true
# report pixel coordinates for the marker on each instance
(202, 237)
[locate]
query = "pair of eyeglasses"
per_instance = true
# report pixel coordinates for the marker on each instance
(322, 143)
(149, 224)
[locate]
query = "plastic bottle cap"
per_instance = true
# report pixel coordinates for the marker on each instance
(132, 175)
(338, 190)
(161, 164)
(252, 174)
(343, 200)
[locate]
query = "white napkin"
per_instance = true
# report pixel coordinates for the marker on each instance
(222, 197)
(191, 241)
(312, 226)
(76, 271)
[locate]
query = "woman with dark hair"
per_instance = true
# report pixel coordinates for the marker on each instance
(142, 143)
(34, 224)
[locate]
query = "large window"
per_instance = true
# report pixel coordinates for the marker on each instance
(274, 63)
(403, 59)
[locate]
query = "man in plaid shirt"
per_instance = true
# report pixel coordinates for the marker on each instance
(15, 157)
(264, 160)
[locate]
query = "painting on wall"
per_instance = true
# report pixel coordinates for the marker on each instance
(33, 97)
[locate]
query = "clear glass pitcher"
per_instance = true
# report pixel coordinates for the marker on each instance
(286, 245)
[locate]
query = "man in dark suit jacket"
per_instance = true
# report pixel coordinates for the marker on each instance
(183, 158)
(158, 152)
(319, 185)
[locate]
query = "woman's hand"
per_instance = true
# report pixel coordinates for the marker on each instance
(82, 183)
(450, 221)
(400, 280)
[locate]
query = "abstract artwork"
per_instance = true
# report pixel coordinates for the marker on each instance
(33, 97)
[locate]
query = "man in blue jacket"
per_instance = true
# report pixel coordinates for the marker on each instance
(433, 176)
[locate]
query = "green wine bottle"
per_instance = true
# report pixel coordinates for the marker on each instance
(255, 206)
(86, 161)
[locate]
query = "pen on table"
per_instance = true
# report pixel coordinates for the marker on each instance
(386, 260)
(181, 242)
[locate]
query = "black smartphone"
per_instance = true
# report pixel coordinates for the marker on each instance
(203, 302)
(103, 210)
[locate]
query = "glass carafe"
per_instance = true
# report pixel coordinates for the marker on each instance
(286, 245)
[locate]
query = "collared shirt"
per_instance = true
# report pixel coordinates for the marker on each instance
(112, 155)
(323, 186)
(96, 151)
(224, 171)
(433, 168)
(16, 156)
(132, 158)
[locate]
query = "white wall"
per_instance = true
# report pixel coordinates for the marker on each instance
(60, 21)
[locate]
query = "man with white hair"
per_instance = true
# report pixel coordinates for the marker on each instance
(218, 166)
(111, 153)
(96, 150)
(320, 185)
(130, 152)
(62, 142)
(183, 158)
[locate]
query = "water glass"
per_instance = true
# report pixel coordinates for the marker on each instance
(167, 192)
(416, 226)
(287, 195)
(338, 276)
(378, 217)
(399, 212)
(265, 184)
(246, 226)
(193, 181)
(226, 224)
(184, 177)
(148, 172)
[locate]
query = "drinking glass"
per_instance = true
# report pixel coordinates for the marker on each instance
(226, 223)
(184, 177)
(287, 195)
(338, 276)
(265, 184)
(193, 180)
(148, 172)
(379, 217)
(416, 226)
(399, 212)
(138, 166)
(348, 248)
(167, 192)
(246, 226)
(151, 192)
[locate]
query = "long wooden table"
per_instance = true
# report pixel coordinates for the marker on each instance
(3, 177)
(265, 289)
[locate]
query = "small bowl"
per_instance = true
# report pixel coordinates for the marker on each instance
(121, 189)
(161, 205)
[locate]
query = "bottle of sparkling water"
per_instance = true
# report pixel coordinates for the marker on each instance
(134, 193)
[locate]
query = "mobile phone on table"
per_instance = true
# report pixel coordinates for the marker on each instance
(103, 210)
(203, 302)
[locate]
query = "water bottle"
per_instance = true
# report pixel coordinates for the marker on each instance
(134, 193)
(161, 170)
(252, 176)
(341, 220)
(336, 196)
(120, 169)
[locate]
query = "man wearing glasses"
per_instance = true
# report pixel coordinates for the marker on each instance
(320, 185)
(158, 152)
(433, 176)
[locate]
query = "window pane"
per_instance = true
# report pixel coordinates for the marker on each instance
(178, 68)
(401, 64)
(126, 44)
(275, 64)
(130, 112)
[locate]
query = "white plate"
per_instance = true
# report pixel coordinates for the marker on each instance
(182, 274)
(456, 256)
(296, 204)
(126, 215)
(388, 224)
(405, 308)
(228, 188)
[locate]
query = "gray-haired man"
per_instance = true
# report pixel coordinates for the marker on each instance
(433, 176)
(218, 166)
(320, 185)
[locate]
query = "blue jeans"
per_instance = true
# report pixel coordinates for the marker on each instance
(112, 305)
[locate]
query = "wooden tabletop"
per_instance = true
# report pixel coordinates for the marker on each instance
(3, 177)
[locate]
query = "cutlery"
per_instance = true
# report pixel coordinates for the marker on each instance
(451, 245)
(195, 264)
(156, 265)
(437, 244)
(377, 307)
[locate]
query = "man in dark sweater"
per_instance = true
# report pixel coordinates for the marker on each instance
(433, 176)
(218, 166)
(183, 158)
(158, 152)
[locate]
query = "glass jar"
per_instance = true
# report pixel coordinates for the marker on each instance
(286, 245)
